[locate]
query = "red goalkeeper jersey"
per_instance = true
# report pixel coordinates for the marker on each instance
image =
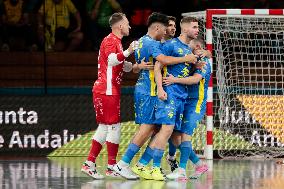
(109, 77)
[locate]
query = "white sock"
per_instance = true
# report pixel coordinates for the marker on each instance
(123, 164)
(199, 163)
(139, 164)
(182, 169)
(171, 157)
(110, 166)
(90, 163)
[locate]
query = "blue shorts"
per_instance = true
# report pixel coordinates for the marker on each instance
(190, 117)
(145, 107)
(170, 111)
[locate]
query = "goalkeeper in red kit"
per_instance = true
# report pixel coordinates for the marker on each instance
(106, 95)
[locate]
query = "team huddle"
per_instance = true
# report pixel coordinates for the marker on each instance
(170, 98)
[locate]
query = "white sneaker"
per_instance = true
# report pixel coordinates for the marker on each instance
(111, 173)
(90, 170)
(178, 174)
(125, 171)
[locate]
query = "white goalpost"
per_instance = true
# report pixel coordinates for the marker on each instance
(248, 82)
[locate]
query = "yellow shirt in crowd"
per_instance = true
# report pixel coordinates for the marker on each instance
(58, 14)
(13, 12)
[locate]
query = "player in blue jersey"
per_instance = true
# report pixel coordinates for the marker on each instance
(194, 111)
(145, 90)
(171, 29)
(171, 98)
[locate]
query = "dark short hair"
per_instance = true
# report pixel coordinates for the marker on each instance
(115, 17)
(172, 18)
(188, 20)
(156, 17)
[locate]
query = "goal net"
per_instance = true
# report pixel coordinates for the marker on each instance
(248, 64)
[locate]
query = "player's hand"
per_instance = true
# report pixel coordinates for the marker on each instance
(200, 64)
(145, 65)
(170, 79)
(204, 53)
(191, 58)
(162, 94)
(127, 66)
(133, 46)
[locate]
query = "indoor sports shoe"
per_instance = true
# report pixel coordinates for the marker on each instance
(199, 170)
(124, 171)
(157, 174)
(173, 163)
(111, 173)
(90, 170)
(142, 172)
(178, 174)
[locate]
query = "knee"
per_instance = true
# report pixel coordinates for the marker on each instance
(167, 131)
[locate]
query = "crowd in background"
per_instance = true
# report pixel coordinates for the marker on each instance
(79, 25)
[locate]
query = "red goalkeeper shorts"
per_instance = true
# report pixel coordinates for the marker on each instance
(107, 108)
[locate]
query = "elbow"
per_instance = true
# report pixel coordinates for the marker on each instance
(196, 81)
(165, 62)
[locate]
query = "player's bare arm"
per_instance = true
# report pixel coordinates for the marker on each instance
(191, 80)
(159, 81)
(170, 60)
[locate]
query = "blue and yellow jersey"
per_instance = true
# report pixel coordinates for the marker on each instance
(148, 50)
(199, 91)
(176, 48)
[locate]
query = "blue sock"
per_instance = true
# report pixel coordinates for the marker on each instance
(147, 156)
(157, 157)
(192, 156)
(132, 149)
(184, 153)
(172, 148)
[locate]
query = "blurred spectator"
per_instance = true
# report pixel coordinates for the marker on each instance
(99, 12)
(59, 35)
(141, 11)
(16, 30)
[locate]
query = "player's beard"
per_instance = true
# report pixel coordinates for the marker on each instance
(172, 34)
(191, 36)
